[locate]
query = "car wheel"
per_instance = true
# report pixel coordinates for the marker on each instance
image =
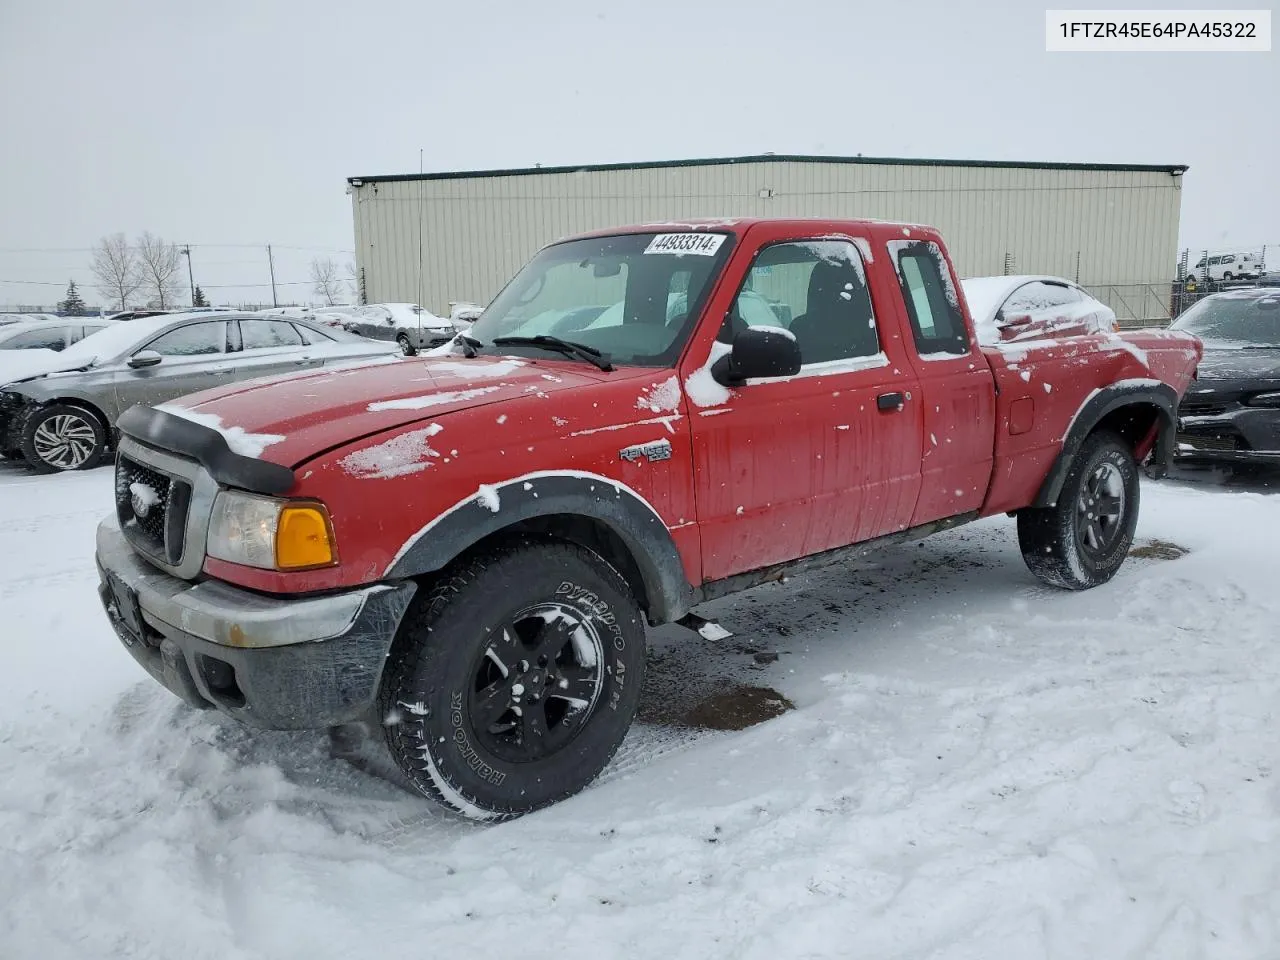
(61, 437)
(1228, 276)
(406, 347)
(514, 679)
(1082, 540)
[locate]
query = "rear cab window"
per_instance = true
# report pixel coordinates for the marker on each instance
(929, 292)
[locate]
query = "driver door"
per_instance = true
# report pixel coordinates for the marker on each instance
(193, 358)
(793, 466)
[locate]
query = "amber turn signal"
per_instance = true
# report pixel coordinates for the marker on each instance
(304, 537)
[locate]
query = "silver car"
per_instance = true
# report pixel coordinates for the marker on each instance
(49, 334)
(407, 324)
(58, 411)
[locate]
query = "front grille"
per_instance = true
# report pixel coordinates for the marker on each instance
(1202, 408)
(152, 508)
(1207, 442)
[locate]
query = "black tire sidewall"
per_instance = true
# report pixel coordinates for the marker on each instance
(34, 418)
(1101, 448)
(430, 734)
(406, 346)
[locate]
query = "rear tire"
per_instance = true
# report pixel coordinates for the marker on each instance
(60, 438)
(514, 679)
(1081, 541)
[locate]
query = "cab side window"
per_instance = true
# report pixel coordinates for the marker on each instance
(933, 307)
(817, 290)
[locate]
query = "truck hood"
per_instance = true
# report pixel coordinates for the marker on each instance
(289, 420)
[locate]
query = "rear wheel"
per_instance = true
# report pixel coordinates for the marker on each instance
(515, 679)
(1081, 541)
(61, 437)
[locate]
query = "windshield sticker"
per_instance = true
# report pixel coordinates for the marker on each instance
(701, 244)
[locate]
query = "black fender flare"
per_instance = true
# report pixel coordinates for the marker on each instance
(1105, 401)
(528, 498)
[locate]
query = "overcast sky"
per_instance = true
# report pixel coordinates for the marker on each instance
(229, 125)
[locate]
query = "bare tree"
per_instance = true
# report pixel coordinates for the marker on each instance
(115, 265)
(159, 263)
(353, 287)
(326, 279)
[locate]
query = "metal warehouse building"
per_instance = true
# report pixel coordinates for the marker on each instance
(437, 238)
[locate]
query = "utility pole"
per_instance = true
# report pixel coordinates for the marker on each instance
(271, 265)
(186, 252)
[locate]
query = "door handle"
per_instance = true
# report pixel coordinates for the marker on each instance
(890, 401)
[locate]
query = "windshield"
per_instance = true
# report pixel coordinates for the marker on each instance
(1232, 321)
(632, 297)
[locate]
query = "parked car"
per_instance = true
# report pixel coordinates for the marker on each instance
(463, 552)
(1241, 265)
(462, 314)
(1022, 307)
(59, 410)
(54, 335)
(1231, 414)
(406, 324)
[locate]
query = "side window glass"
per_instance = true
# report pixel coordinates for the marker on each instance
(37, 340)
(310, 336)
(262, 334)
(193, 340)
(933, 306)
(816, 289)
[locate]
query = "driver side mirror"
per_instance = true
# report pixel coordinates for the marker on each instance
(758, 352)
(144, 358)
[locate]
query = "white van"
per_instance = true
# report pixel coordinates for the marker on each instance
(1228, 266)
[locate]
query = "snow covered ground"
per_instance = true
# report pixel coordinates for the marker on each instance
(979, 767)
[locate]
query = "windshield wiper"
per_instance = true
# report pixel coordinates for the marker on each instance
(567, 347)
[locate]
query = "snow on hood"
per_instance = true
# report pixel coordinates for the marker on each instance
(22, 364)
(317, 410)
(1239, 364)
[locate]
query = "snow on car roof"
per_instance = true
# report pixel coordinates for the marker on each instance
(985, 295)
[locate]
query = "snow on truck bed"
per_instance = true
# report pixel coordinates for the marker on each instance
(978, 767)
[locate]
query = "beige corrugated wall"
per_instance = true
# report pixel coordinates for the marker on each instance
(1114, 230)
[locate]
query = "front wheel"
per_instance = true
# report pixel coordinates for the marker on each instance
(1082, 540)
(61, 437)
(406, 347)
(514, 679)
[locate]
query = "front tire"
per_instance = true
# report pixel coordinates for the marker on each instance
(514, 679)
(60, 437)
(406, 347)
(1082, 540)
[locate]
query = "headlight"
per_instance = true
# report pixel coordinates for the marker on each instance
(271, 534)
(1264, 399)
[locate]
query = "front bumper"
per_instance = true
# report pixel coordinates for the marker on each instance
(1235, 433)
(275, 662)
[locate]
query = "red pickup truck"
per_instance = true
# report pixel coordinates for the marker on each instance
(466, 547)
